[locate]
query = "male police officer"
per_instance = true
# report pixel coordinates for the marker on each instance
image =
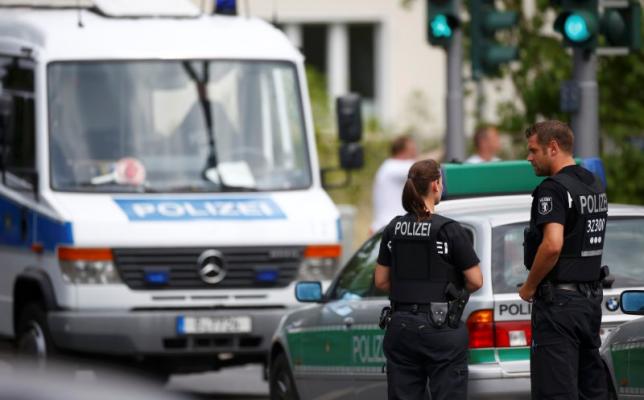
(563, 250)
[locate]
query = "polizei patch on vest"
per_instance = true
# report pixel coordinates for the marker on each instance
(545, 205)
(414, 229)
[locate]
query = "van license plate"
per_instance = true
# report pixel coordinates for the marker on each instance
(203, 325)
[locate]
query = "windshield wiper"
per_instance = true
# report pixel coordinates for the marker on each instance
(102, 187)
(198, 189)
(204, 101)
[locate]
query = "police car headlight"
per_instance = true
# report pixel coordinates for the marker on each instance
(87, 266)
(320, 263)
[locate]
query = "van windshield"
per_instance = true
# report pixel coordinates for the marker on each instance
(176, 126)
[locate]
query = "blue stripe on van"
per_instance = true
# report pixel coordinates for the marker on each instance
(22, 226)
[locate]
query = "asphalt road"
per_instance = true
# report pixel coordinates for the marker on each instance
(233, 383)
(239, 383)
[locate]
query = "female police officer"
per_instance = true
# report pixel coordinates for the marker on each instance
(423, 256)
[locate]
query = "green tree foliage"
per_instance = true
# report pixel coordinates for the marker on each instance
(544, 64)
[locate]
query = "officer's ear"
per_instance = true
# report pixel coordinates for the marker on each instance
(553, 148)
(436, 186)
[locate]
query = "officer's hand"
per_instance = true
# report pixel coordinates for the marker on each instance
(527, 293)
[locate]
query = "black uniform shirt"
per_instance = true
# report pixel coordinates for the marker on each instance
(554, 201)
(452, 243)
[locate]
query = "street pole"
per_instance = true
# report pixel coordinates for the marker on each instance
(454, 138)
(585, 122)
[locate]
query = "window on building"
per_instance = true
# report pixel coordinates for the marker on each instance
(362, 60)
(314, 44)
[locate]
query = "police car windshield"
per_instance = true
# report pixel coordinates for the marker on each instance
(151, 112)
(623, 253)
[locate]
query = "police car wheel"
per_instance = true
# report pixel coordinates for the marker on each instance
(33, 340)
(282, 385)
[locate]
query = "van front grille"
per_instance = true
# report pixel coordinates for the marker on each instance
(179, 268)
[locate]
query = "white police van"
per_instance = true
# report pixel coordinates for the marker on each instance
(159, 189)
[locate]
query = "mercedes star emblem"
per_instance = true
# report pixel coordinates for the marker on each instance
(211, 266)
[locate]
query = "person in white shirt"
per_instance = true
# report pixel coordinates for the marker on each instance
(487, 144)
(390, 180)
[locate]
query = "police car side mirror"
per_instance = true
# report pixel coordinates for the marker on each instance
(308, 292)
(632, 302)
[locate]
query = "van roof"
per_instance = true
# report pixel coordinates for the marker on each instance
(55, 35)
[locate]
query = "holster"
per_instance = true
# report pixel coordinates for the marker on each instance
(546, 292)
(457, 300)
(438, 313)
(385, 318)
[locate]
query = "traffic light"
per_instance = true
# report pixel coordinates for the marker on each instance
(487, 53)
(442, 20)
(621, 26)
(578, 22)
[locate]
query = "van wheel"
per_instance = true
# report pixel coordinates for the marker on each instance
(33, 340)
(281, 382)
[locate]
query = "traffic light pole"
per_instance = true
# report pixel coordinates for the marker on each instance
(454, 139)
(585, 122)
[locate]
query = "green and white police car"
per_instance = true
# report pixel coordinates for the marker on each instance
(332, 349)
(623, 351)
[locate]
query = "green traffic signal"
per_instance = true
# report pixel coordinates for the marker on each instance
(577, 28)
(442, 19)
(578, 23)
(440, 27)
(487, 53)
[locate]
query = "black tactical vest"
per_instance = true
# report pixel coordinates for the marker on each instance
(580, 258)
(419, 274)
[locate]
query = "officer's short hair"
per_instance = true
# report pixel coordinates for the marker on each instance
(547, 131)
(399, 144)
(419, 178)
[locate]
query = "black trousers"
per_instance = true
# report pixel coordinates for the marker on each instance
(564, 359)
(422, 359)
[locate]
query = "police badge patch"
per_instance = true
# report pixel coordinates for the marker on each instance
(545, 205)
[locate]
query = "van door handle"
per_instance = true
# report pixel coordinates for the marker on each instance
(348, 321)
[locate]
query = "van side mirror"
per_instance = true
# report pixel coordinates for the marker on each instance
(351, 156)
(351, 152)
(632, 302)
(349, 113)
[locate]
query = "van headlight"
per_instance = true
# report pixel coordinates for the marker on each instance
(87, 266)
(320, 263)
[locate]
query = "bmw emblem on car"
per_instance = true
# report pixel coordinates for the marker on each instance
(612, 304)
(211, 266)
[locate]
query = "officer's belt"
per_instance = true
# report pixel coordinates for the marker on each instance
(584, 288)
(576, 286)
(567, 286)
(423, 308)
